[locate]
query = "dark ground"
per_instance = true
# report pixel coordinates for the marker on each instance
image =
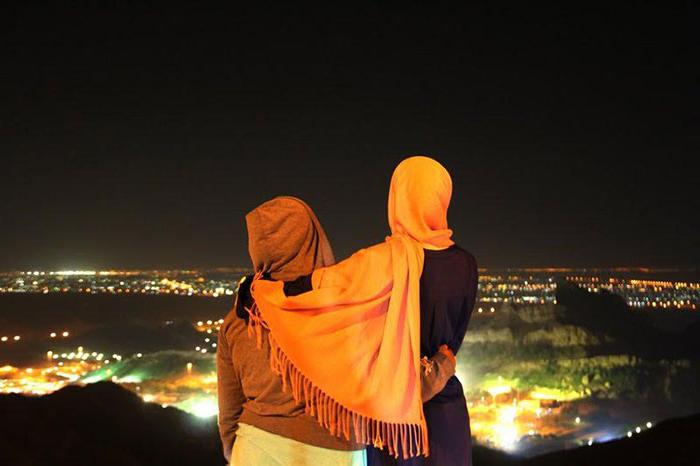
(107, 323)
(104, 424)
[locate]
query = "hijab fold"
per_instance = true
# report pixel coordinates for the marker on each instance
(350, 348)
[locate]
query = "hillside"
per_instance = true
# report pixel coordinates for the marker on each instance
(586, 345)
(108, 425)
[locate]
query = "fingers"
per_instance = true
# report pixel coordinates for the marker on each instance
(444, 349)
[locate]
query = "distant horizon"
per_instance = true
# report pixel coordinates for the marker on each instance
(237, 268)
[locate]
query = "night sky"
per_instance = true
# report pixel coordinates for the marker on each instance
(139, 136)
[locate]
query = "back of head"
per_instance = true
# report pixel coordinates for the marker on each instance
(419, 196)
(286, 240)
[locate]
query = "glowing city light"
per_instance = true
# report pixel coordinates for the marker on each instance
(503, 411)
(205, 408)
(499, 390)
(505, 430)
(518, 287)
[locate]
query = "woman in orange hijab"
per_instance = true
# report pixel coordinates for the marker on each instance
(259, 422)
(351, 347)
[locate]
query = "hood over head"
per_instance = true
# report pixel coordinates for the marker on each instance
(286, 240)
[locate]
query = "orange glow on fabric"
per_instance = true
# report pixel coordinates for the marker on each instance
(419, 197)
(350, 348)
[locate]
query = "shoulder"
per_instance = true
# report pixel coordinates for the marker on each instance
(378, 248)
(369, 255)
(468, 259)
(370, 263)
(232, 324)
(468, 256)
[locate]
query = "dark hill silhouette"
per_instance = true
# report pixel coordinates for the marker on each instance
(670, 443)
(107, 425)
(101, 424)
(607, 316)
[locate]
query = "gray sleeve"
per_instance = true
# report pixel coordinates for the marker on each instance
(230, 391)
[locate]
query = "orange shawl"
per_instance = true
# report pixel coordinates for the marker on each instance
(350, 348)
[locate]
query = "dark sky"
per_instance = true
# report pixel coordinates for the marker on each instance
(139, 135)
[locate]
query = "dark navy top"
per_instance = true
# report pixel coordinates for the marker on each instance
(448, 288)
(447, 295)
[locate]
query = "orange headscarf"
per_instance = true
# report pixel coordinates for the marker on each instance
(350, 348)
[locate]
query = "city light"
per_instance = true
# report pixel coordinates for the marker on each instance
(205, 408)
(526, 286)
(504, 408)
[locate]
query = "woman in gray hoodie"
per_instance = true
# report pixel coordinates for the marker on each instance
(259, 422)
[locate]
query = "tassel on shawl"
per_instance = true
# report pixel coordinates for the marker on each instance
(409, 439)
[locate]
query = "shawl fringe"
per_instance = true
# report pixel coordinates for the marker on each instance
(409, 439)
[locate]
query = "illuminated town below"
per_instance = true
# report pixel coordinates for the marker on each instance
(504, 410)
(530, 286)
